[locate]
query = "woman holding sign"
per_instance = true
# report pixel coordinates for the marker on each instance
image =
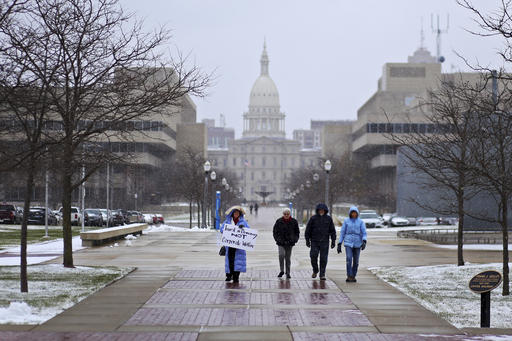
(235, 260)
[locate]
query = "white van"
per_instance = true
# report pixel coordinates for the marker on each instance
(76, 216)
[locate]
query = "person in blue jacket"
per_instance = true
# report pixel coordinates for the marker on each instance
(353, 233)
(235, 259)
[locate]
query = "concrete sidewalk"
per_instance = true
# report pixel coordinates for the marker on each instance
(178, 293)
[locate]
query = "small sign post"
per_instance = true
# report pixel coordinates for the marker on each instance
(483, 283)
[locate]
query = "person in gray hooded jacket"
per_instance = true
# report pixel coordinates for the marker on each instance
(318, 230)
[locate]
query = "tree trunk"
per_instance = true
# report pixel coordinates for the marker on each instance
(190, 211)
(504, 226)
(198, 214)
(26, 210)
(67, 190)
(460, 232)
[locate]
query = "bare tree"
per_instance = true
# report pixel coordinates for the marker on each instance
(109, 72)
(187, 178)
(441, 155)
(492, 154)
(494, 163)
(23, 113)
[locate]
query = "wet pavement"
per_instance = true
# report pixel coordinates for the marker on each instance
(178, 292)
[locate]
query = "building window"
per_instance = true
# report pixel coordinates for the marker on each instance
(263, 161)
(225, 162)
(234, 161)
(252, 176)
(263, 175)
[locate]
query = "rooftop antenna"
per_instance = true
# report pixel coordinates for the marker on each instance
(438, 31)
(422, 36)
(222, 121)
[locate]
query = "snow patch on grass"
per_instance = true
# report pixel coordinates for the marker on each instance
(52, 289)
(444, 290)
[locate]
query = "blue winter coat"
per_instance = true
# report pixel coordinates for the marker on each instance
(240, 255)
(353, 231)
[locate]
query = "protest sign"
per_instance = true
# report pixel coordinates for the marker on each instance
(239, 238)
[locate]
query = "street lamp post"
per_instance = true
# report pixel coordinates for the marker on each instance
(327, 167)
(213, 177)
(206, 168)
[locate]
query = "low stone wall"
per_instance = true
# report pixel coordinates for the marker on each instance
(449, 237)
(108, 235)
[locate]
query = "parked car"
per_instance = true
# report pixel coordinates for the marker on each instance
(117, 218)
(159, 219)
(412, 221)
(36, 216)
(135, 217)
(76, 217)
(371, 219)
(148, 218)
(398, 221)
(107, 215)
(93, 217)
(449, 221)
(126, 215)
(368, 211)
(386, 217)
(10, 214)
(426, 221)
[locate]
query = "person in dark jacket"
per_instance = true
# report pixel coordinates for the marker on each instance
(318, 230)
(286, 234)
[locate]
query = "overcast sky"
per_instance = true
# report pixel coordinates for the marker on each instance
(325, 56)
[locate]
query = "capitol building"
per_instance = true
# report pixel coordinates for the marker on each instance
(263, 159)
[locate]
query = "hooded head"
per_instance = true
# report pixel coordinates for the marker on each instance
(353, 209)
(229, 211)
(321, 207)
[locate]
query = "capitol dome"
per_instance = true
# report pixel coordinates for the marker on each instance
(264, 117)
(264, 91)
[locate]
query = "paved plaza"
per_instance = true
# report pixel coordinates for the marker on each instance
(177, 292)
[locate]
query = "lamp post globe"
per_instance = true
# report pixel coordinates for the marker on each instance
(316, 177)
(327, 167)
(224, 181)
(207, 166)
(308, 184)
(213, 175)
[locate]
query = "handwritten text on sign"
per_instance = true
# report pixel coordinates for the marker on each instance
(239, 238)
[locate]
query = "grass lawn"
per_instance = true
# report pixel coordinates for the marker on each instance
(10, 235)
(52, 288)
(444, 290)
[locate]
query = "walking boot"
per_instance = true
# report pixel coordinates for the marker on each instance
(288, 276)
(314, 274)
(280, 274)
(236, 277)
(228, 277)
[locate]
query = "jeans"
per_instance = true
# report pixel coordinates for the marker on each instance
(285, 253)
(323, 249)
(352, 260)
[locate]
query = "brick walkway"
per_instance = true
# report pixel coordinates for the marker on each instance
(178, 292)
